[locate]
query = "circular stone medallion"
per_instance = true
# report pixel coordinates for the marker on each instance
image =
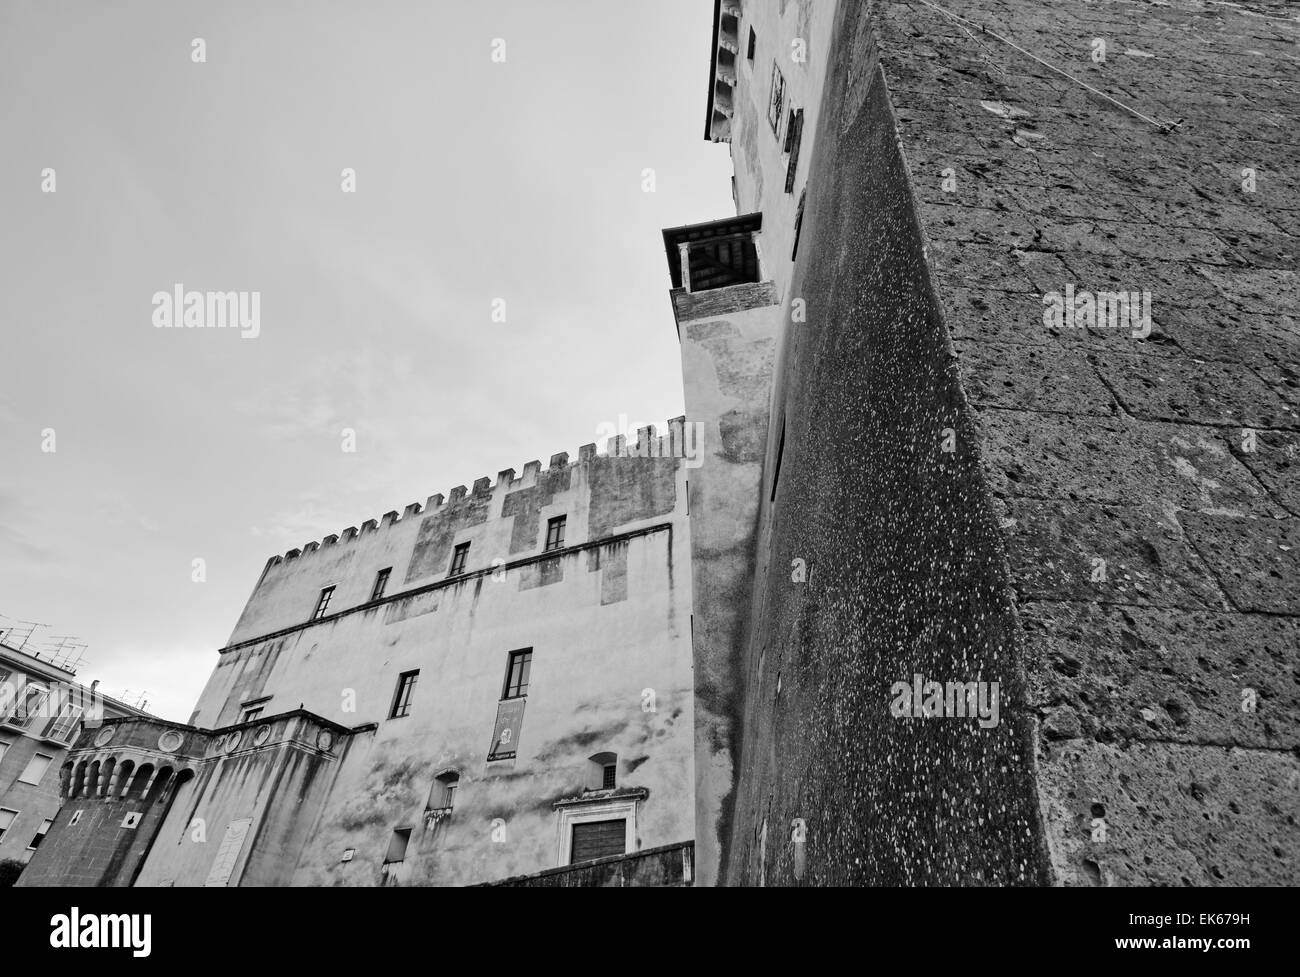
(104, 735)
(262, 735)
(170, 741)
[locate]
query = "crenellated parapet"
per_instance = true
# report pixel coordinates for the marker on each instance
(677, 442)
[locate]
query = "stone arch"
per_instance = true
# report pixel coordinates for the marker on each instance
(160, 784)
(78, 779)
(92, 778)
(140, 781)
(65, 780)
(106, 768)
(124, 772)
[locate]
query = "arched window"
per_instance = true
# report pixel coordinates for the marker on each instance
(602, 773)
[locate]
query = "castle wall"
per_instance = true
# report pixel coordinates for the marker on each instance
(1151, 536)
(1100, 521)
(607, 618)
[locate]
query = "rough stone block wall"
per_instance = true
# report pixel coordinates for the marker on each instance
(1145, 485)
(879, 559)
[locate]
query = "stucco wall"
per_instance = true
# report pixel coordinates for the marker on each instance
(607, 618)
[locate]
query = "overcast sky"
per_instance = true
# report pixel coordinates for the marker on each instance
(475, 180)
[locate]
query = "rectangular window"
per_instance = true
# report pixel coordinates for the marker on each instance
(402, 698)
(598, 839)
(7, 818)
(517, 672)
(251, 713)
(610, 776)
(3, 746)
(322, 605)
(458, 557)
(31, 701)
(397, 846)
(36, 768)
(40, 835)
(381, 583)
(555, 533)
(753, 40)
(776, 105)
(793, 137)
(65, 726)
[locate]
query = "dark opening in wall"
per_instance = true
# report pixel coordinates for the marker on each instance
(753, 40)
(798, 223)
(776, 469)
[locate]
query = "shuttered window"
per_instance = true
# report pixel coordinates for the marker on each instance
(597, 839)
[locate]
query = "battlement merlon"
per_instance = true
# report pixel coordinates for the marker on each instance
(649, 444)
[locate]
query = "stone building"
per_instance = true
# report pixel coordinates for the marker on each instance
(985, 574)
(491, 685)
(924, 471)
(42, 710)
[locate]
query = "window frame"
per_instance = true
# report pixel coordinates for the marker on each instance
(49, 762)
(525, 657)
(381, 583)
(323, 602)
(406, 682)
(556, 527)
(41, 832)
(5, 829)
(459, 556)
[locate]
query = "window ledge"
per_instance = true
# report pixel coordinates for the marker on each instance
(603, 796)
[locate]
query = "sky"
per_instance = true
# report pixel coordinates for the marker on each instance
(476, 180)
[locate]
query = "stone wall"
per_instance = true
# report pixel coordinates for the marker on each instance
(1101, 518)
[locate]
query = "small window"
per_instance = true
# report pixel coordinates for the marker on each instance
(776, 105)
(381, 583)
(7, 818)
(753, 40)
(40, 835)
(442, 797)
(402, 698)
(254, 709)
(397, 846)
(555, 533)
(322, 605)
(458, 557)
(603, 771)
(36, 768)
(517, 673)
(3, 746)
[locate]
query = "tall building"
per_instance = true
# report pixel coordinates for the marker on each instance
(42, 710)
(973, 562)
(491, 685)
(1013, 410)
